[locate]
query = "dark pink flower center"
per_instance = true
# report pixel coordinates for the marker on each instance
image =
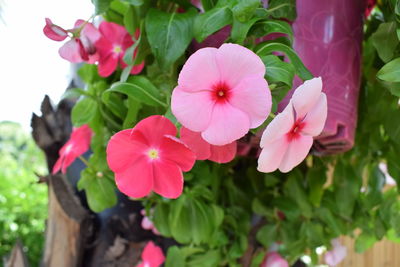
(221, 92)
(294, 133)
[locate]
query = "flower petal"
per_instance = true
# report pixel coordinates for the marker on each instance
(152, 255)
(272, 154)
(306, 96)
(54, 32)
(236, 62)
(316, 118)
(223, 154)
(196, 143)
(137, 68)
(124, 148)
(136, 180)
(252, 95)
(107, 64)
(114, 32)
(57, 165)
(200, 71)
(71, 51)
(173, 149)
(154, 128)
(278, 127)
(168, 179)
(296, 152)
(227, 125)
(192, 109)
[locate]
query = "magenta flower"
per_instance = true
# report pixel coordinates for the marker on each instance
(147, 224)
(288, 138)
(81, 47)
(112, 46)
(337, 254)
(152, 256)
(274, 259)
(204, 150)
(149, 157)
(222, 93)
(77, 144)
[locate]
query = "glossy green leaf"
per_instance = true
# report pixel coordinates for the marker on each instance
(390, 72)
(385, 40)
(282, 9)
(278, 70)
(316, 178)
(211, 21)
(267, 234)
(364, 241)
(295, 190)
(83, 111)
(244, 9)
(175, 257)
(240, 29)
(266, 27)
(101, 6)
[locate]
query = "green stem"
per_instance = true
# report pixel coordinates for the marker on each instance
(85, 161)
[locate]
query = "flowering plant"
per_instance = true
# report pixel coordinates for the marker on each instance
(174, 92)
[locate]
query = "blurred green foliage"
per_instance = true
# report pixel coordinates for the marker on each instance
(23, 202)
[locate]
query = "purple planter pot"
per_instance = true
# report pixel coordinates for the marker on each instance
(328, 37)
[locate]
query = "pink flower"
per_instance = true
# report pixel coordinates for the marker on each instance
(222, 93)
(337, 254)
(77, 144)
(54, 32)
(147, 224)
(112, 46)
(152, 256)
(149, 157)
(274, 259)
(204, 150)
(288, 138)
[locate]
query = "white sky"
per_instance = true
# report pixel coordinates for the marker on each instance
(30, 66)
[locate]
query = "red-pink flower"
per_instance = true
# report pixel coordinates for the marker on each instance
(77, 144)
(204, 150)
(337, 254)
(112, 46)
(222, 93)
(152, 256)
(147, 223)
(149, 157)
(81, 47)
(288, 138)
(274, 259)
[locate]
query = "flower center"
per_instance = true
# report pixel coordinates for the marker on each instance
(294, 133)
(221, 92)
(117, 49)
(152, 154)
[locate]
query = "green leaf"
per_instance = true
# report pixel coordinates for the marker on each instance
(390, 72)
(161, 213)
(211, 21)
(240, 29)
(169, 34)
(267, 48)
(245, 9)
(393, 165)
(175, 257)
(376, 181)
(134, 2)
(100, 191)
(133, 110)
(364, 241)
(83, 111)
(295, 191)
(277, 70)
(88, 73)
(385, 40)
(266, 27)
(138, 88)
(331, 221)
(101, 6)
(282, 9)
(74, 93)
(130, 21)
(267, 234)
(208, 4)
(316, 179)
(210, 259)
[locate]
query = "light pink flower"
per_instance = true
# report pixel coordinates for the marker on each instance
(149, 157)
(288, 138)
(337, 254)
(77, 144)
(204, 150)
(112, 46)
(222, 93)
(274, 259)
(147, 224)
(152, 256)
(54, 32)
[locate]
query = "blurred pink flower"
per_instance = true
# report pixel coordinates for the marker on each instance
(149, 157)
(111, 47)
(77, 144)
(274, 259)
(152, 256)
(204, 150)
(54, 32)
(288, 138)
(147, 224)
(222, 93)
(337, 254)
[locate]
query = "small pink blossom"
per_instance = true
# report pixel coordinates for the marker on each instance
(77, 144)
(147, 224)
(222, 93)
(288, 138)
(204, 150)
(274, 259)
(112, 45)
(152, 256)
(149, 157)
(337, 254)
(54, 32)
